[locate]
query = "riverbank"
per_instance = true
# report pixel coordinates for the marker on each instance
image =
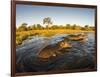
(55, 31)
(20, 36)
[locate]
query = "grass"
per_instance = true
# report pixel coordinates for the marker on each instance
(21, 36)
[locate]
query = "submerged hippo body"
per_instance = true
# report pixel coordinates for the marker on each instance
(53, 50)
(77, 37)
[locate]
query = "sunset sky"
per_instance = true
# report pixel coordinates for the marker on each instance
(32, 14)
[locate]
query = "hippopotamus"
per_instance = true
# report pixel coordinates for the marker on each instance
(53, 50)
(76, 37)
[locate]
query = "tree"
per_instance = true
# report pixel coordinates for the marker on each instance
(86, 27)
(74, 27)
(82, 28)
(39, 26)
(47, 21)
(34, 27)
(61, 26)
(55, 27)
(23, 27)
(92, 28)
(29, 28)
(68, 26)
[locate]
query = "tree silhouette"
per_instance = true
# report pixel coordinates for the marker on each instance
(74, 26)
(47, 21)
(86, 27)
(23, 27)
(68, 26)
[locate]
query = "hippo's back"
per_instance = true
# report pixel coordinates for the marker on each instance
(48, 51)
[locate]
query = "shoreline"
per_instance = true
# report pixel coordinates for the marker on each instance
(23, 35)
(55, 31)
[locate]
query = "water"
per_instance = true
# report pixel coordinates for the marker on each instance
(81, 55)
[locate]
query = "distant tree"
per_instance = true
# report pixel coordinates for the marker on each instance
(24, 24)
(47, 21)
(61, 26)
(78, 27)
(55, 27)
(92, 28)
(74, 26)
(23, 27)
(34, 27)
(86, 27)
(68, 26)
(39, 26)
(82, 28)
(29, 28)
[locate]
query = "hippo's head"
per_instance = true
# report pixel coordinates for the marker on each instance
(64, 44)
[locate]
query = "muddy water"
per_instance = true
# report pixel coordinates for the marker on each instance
(80, 56)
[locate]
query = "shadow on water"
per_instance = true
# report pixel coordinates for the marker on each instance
(80, 55)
